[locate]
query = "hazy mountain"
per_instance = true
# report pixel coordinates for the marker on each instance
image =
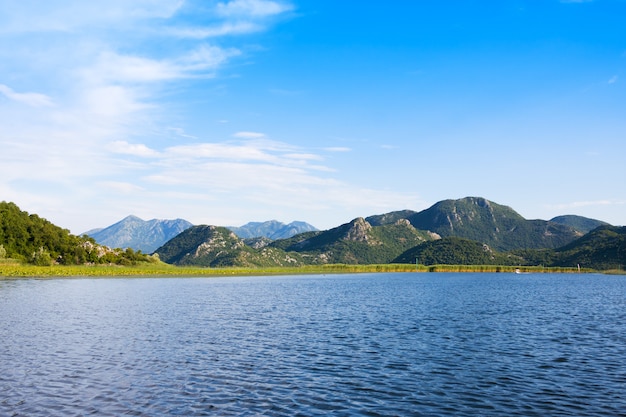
(133, 232)
(484, 221)
(219, 247)
(579, 223)
(272, 229)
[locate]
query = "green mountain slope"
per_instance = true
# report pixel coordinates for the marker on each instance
(357, 242)
(456, 251)
(579, 223)
(484, 221)
(602, 248)
(28, 237)
(219, 247)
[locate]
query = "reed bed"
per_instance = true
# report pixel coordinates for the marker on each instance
(15, 269)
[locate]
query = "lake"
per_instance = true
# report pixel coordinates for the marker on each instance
(396, 344)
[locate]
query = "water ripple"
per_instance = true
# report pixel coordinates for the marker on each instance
(367, 345)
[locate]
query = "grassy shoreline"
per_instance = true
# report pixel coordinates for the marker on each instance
(16, 270)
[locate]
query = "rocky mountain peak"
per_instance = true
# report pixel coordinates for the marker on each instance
(358, 230)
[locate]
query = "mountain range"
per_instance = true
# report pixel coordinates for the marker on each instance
(469, 230)
(133, 232)
(271, 229)
(146, 236)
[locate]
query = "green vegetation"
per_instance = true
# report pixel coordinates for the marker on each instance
(457, 251)
(29, 238)
(603, 248)
(14, 269)
(484, 221)
(32, 246)
(357, 242)
(579, 223)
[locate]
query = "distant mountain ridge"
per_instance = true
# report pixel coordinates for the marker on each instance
(579, 223)
(463, 231)
(272, 229)
(386, 238)
(351, 243)
(147, 236)
(137, 234)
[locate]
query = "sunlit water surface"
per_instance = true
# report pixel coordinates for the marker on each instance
(343, 345)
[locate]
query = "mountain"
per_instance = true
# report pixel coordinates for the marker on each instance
(481, 220)
(579, 223)
(133, 232)
(356, 242)
(28, 237)
(272, 229)
(456, 251)
(215, 246)
(602, 248)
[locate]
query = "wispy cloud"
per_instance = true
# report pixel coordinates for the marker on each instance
(138, 149)
(98, 80)
(73, 16)
(338, 149)
(223, 29)
(613, 79)
(30, 99)
(249, 135)
(255, 8)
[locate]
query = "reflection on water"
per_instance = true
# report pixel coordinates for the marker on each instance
(375, 344)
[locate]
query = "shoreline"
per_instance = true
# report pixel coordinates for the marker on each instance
(14, 271)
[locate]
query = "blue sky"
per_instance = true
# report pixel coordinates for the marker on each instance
(225, 112)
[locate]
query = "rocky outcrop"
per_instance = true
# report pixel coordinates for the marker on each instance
(358, 231)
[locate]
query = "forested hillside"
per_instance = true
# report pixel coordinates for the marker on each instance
(30, 238)
(484, 221)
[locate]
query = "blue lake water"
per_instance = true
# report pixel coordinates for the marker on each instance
(343, 345)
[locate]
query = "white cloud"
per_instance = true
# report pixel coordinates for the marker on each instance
(303, 156)
(73, 15)
(613, 79)
(138, 149)
(249, 135)
(338, 149)
(101, 128)
(31, 99)
(113, 67)
(120, 187)
(224, 29)
(219, 151)
(255, 8)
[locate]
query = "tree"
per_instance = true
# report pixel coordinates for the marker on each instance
(41, 257)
